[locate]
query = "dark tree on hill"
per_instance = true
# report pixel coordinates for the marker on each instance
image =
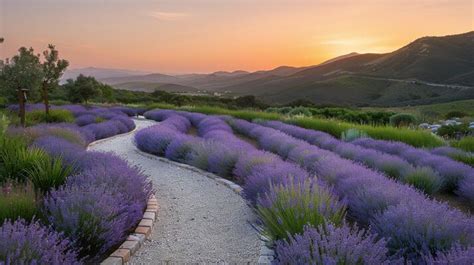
(23, 71)
(53, 69)
(82, 89)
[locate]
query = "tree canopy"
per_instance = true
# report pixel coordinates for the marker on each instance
(82, 89)
(22, 71)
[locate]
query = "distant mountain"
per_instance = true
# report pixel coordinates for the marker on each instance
(100, 73)
(428, 70)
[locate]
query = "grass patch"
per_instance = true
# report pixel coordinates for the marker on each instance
(54, 116)
(17, 201)
(412, 137)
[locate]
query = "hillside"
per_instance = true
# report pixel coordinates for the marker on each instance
(151, 87)
(428, 70)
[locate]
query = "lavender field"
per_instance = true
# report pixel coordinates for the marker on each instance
(322, 200)
(318, 199)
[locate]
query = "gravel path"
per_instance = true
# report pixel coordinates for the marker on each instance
(199, 220)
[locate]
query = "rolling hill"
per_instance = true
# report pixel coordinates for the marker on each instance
(427, 70)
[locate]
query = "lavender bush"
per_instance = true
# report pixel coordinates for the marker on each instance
(423, 227)
(287, 208)
(86, 119)
(370, 194)
(453, 172)
(92, 217)
(58, 147)
(331, 245)
(457, 255)
(391, 165)
(265, 175)
(22, 243)
(155, 139)
(180, 148)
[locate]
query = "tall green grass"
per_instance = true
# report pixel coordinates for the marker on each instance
(466, 144)
(17, 201)
(16, 159)
(21, 164)
(48, 173)
(417, 138)
(412, 137)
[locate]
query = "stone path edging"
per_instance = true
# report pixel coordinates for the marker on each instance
(266, 253)
(135, 240)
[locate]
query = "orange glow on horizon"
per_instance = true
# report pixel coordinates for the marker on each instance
(210, 35)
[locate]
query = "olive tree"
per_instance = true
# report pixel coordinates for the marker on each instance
(53, 69)
(21, 73)
(82, 89)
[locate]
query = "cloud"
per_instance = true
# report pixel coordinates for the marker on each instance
(168, 16)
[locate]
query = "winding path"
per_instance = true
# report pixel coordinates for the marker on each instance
(199, 220)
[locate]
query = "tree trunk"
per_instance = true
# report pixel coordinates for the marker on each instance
(45, 99)
(21, 101)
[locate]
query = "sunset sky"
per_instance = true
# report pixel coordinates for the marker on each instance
(183, 36)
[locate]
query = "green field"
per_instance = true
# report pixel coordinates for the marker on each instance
(435, 112)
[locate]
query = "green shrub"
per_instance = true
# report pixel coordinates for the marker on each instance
(302, 111)
(402, 120)
(466, 143)
(17, 201)
(451, 131)
(48, 173)
(352, 134)
(455, 114)
(286, 209)
(54, 116)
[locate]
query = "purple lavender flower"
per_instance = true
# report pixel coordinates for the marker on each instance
(180, 148)
(86, 119)
(58, 147)
(22, 243)
(423, 227)
(155, 139)
(457, 255)
(332, 245)
(453, 172)
(264, 175)
(92, 217)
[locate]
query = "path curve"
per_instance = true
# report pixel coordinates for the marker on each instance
(199, 220)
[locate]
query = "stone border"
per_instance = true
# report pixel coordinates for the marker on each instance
(266, 253)
(135, 240)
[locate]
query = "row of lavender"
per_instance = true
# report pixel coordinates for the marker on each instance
(424, 169)
(409, 220)
(460, 177)
(218, 150)
(279, 188)
(97, 206)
